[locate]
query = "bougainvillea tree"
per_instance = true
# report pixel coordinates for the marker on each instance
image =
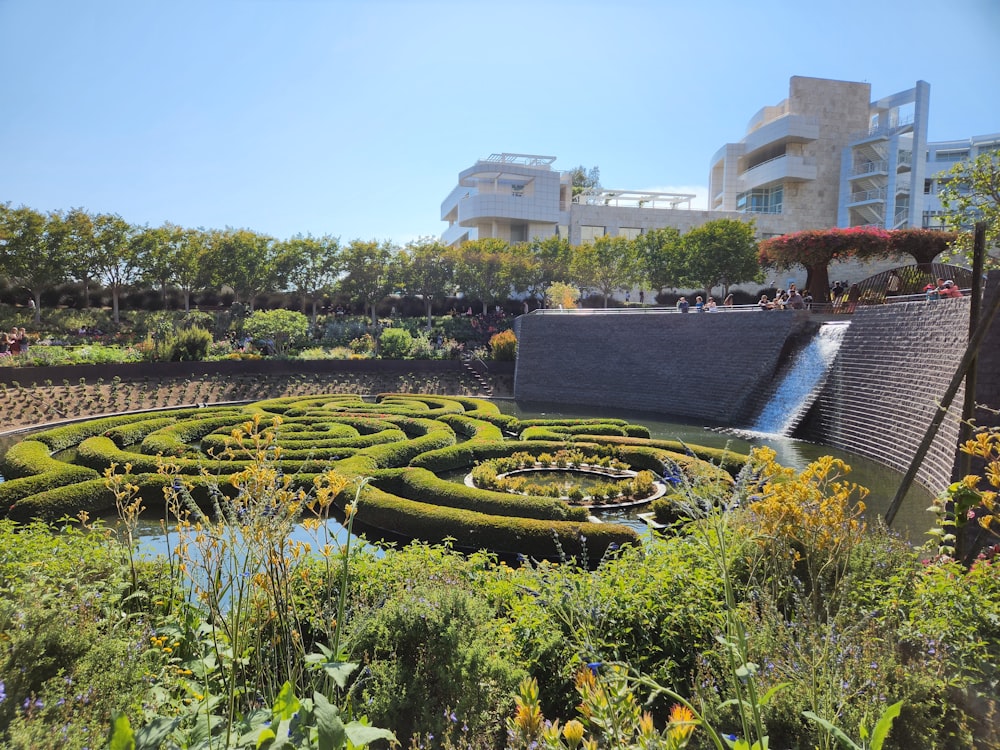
(923, 245)
(815, 249)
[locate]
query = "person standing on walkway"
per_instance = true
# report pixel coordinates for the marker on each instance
(683, 305)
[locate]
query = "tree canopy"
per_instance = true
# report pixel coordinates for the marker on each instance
(720, 252)
(817, 248)
(970, 195)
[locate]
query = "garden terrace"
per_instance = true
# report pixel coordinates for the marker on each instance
(401, 444)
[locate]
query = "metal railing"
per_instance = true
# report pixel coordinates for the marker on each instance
(871, 167)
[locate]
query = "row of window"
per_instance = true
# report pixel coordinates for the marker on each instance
(589, 233)
(761, 200)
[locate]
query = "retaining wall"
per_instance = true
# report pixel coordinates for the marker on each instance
(894, 364)
(699, 366)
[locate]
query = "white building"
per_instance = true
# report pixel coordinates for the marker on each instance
(941, 157)
(518, 197)
(827, 155)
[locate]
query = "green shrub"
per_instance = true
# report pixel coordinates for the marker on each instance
(435, 654)
(395, 343)
(189, 345)
(280, 330)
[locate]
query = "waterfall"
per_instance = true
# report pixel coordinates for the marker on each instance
(800, 385)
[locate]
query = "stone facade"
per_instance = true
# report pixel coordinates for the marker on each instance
(894, 365)
(701, 366)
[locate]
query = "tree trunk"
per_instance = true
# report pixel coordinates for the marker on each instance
(818, 282)
(114, 305)
(429, 302)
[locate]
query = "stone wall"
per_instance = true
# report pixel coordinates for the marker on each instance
(893, 366)
(698, 366)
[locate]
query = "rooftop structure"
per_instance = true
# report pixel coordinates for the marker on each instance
(827, 155)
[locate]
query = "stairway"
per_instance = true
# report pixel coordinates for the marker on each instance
(479, 372)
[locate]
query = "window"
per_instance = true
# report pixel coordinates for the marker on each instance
(761, 200)
(629, 233)
(952, 155)
(590, 233)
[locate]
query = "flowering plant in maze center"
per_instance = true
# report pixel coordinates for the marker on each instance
(239, 638)
(495, 474)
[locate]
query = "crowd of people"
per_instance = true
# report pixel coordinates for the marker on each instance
(13, 343)
(790, 299)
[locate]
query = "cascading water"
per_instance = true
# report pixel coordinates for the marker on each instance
(801, 382)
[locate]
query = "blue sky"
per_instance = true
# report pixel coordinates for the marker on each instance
(354, 118)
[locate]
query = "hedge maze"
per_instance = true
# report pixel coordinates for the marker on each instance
(404, 444)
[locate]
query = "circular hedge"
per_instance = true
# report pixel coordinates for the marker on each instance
(401, 442)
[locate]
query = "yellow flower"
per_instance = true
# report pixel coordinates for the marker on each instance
(573, 732)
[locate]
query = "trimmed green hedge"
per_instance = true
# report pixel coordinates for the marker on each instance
(502, 534)
(401, 442)
(426, 487)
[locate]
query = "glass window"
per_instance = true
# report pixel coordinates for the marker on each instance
(590, 233)
(629, 232)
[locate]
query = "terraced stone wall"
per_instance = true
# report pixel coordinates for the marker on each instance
(893, 367)
(699, 366)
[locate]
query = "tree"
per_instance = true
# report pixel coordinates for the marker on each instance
(482, 270)
(607, 264)
(81, 249)
(427, 269)
(32, 250)
(161, 255)
(923, 245)
(720, 252)
(585, 179)
(971, 195)
(246, 261)
(120, 248)
(370, 272)
(312, 265)
(539, 264)
(192, 266)
(817, 248)
(661, 262)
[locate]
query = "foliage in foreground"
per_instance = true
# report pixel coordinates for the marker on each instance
(772, 618)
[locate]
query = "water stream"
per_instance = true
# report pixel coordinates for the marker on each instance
(801, 383)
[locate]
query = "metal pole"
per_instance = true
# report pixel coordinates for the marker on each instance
(970, 355)
(975, 305)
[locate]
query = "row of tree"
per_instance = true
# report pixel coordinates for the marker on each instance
(41, 251)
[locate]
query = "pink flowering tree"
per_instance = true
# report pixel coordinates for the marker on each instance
(923, 245)
(815, 249)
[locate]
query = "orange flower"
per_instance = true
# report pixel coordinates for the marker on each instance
(682, 722)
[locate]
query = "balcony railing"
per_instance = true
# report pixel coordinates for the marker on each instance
(870, 167)
(862, 196)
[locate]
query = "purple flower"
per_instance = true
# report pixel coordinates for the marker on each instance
(3, 691)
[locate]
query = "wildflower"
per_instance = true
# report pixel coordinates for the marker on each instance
(594, 667)
(3, 691)
(573, 732)
(682, 722)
